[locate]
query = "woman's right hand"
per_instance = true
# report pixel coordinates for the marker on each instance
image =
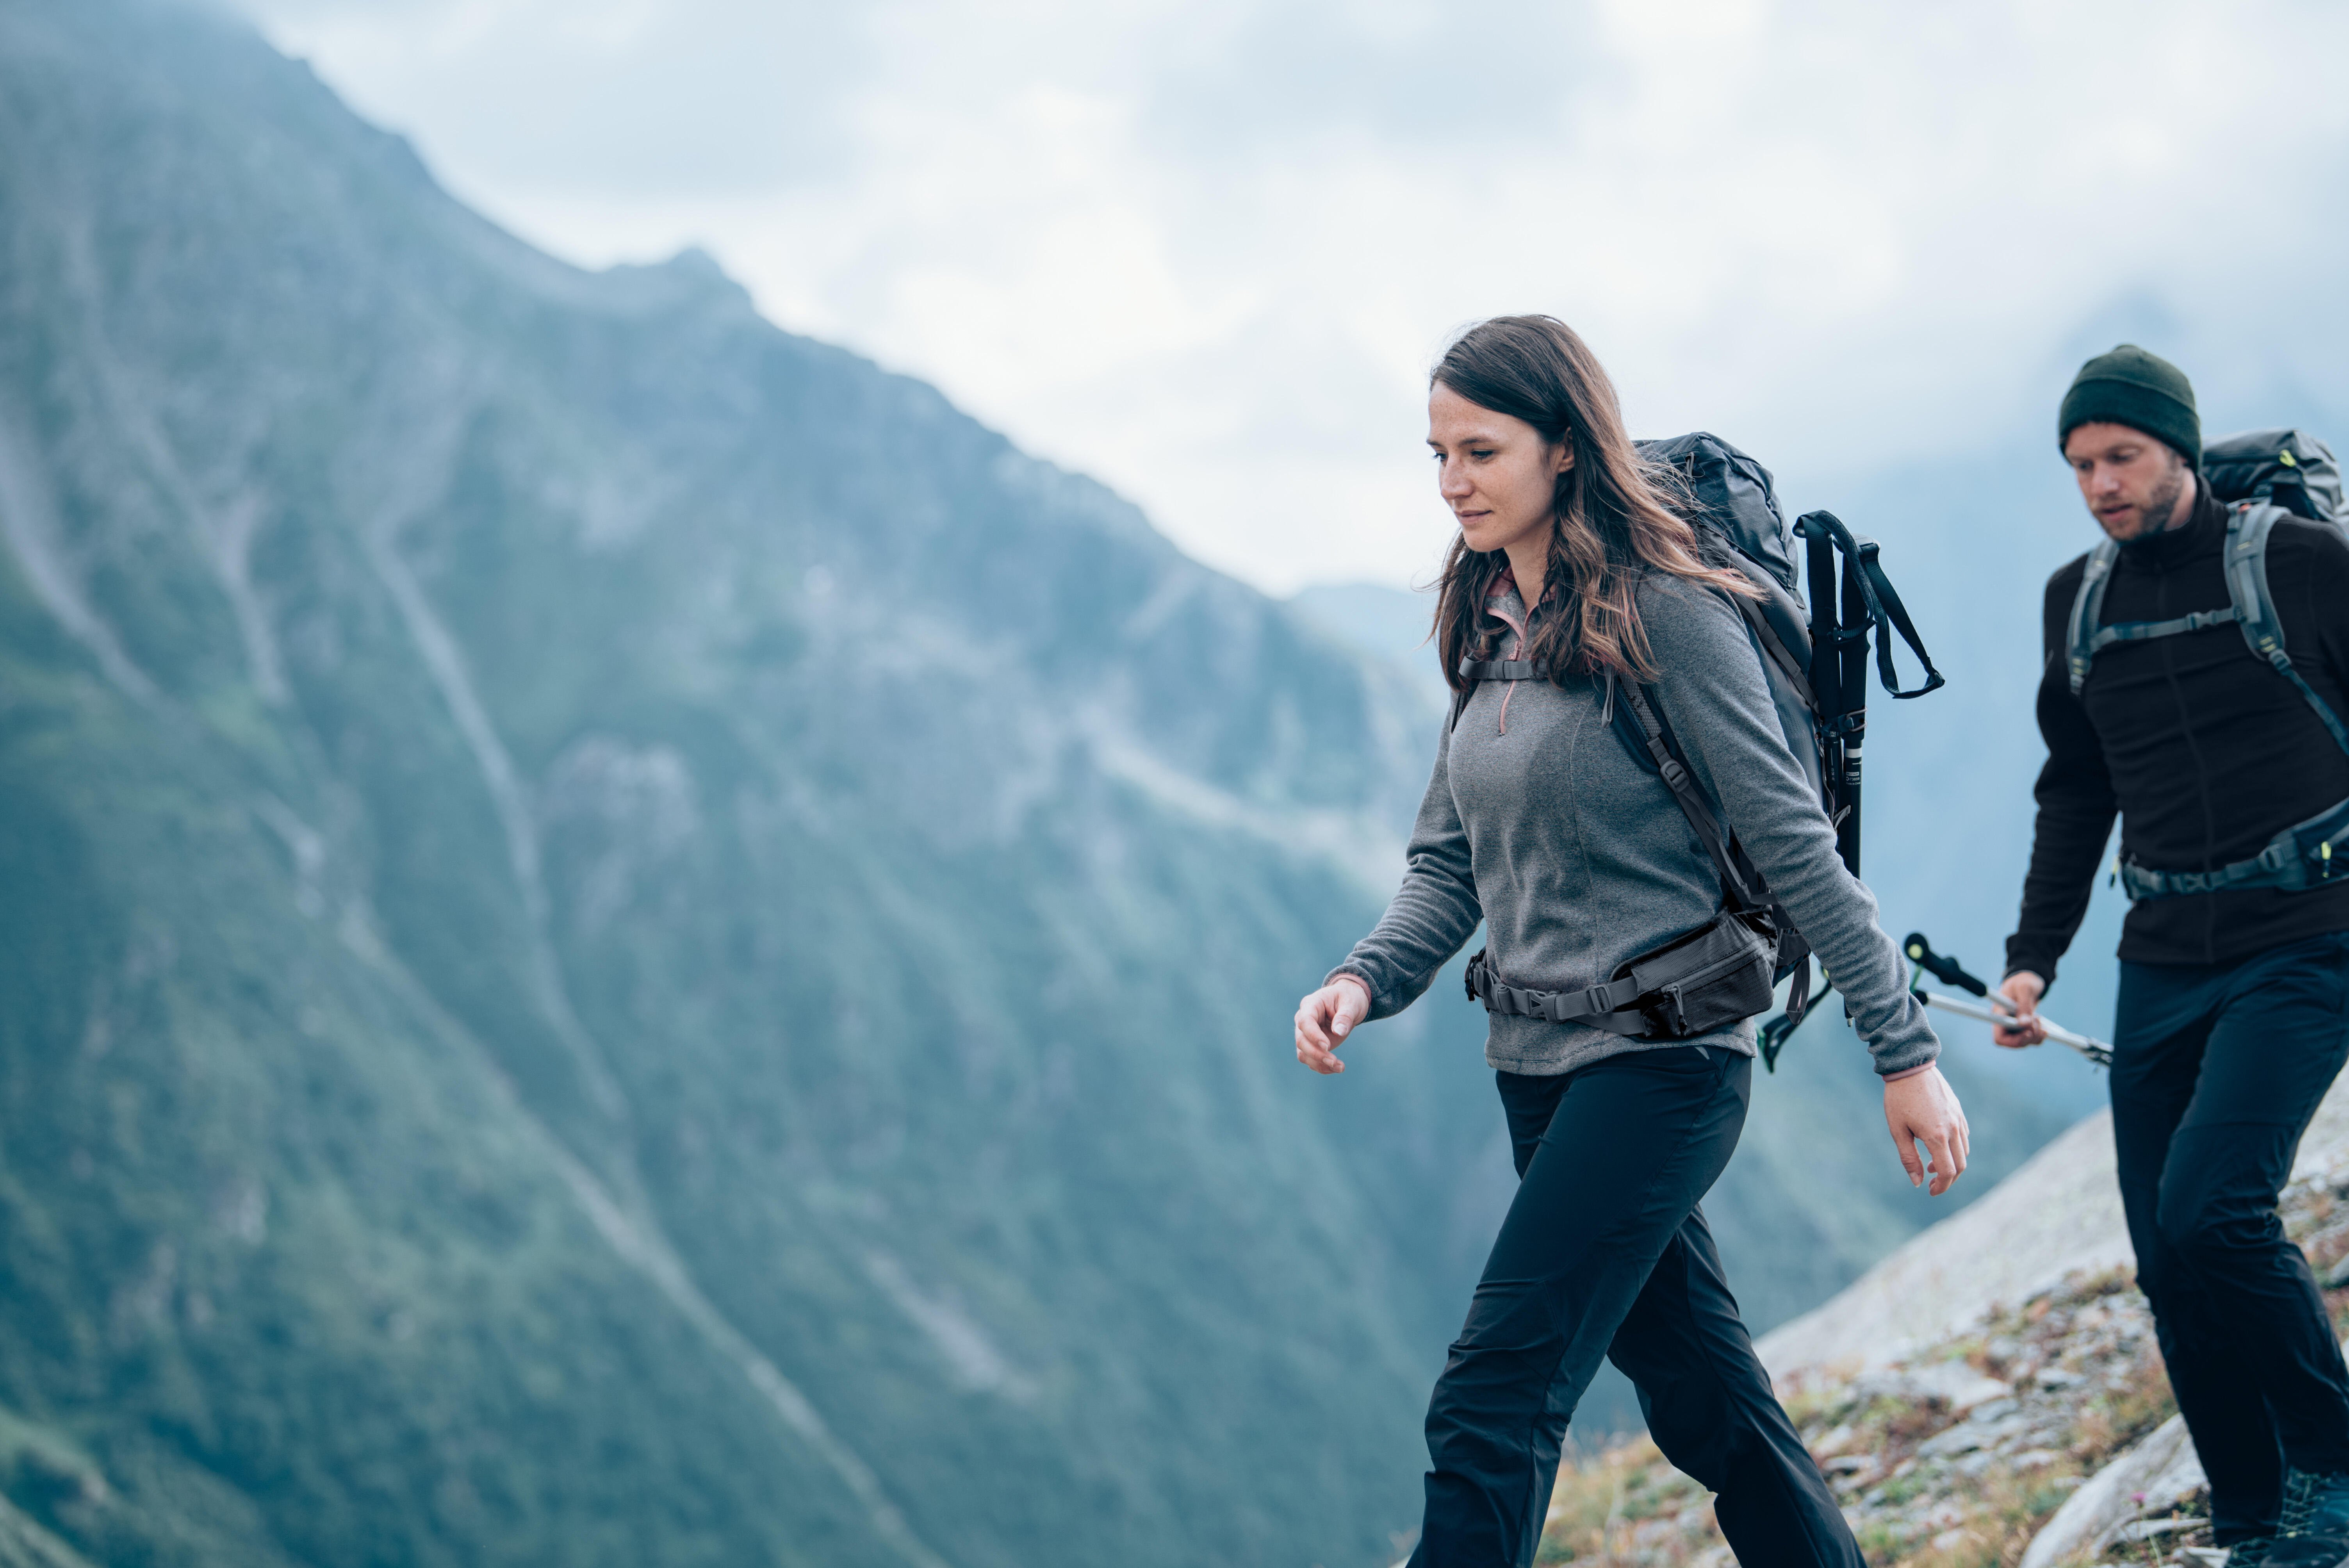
(2024, 989)
(1326, 1017)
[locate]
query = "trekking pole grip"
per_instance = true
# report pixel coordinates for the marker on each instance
(1948, 971)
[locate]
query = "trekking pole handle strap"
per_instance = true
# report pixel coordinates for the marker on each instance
(1886, 613)
(1887, 600)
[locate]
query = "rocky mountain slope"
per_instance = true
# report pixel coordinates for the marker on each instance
(1989, 1395)
(624, 939)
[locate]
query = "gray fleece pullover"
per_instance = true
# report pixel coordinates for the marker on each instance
(1538, 822)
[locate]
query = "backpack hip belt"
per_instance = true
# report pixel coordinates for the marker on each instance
(2280, 463)
(2296, 859)
(1697, 983)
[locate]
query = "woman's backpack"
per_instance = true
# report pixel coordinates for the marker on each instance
(1813, 654)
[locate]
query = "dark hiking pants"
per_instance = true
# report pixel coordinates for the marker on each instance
(2217, 1069)
(1604, 1252)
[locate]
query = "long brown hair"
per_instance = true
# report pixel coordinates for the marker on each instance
(1617, 516)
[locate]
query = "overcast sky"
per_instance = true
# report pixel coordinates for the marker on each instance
(1207, 251)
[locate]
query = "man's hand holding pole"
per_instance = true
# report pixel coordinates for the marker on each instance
(2022, 990)
(2012, 1011)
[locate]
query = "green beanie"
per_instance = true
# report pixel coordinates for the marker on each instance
(2144, 391)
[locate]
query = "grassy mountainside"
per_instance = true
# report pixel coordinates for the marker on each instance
(632, 941)
(627, 940)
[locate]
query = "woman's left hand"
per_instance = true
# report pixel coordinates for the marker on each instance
(1923, 1109)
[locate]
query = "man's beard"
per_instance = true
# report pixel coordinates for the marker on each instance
(2162, 505)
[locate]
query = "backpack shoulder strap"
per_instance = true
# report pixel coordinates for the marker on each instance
(2249, 528)
(2087, 609)
(1737, 874)
(1742, 885)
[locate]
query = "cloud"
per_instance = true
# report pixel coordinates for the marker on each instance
(1207, 251)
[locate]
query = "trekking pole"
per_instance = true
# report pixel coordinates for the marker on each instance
(1838, 674)
(1846, 607)
(1991, 1009)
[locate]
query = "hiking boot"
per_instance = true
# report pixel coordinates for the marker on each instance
(2315, 1532)
(2315, 1504)
(2251, 1553)
(2328, 1551)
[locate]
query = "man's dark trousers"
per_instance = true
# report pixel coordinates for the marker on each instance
(1605, 1252)
(2217, 1069)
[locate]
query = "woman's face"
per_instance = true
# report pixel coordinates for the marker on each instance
(1494, 472)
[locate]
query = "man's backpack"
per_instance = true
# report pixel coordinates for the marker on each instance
(2291, 468)
(2263, 477)
(1814, 657)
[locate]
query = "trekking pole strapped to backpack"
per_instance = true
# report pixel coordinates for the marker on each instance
(1842, 617)
(1851, 600)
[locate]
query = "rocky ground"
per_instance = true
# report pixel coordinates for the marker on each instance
(1955, 1457)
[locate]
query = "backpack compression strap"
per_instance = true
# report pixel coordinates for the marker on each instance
(2085, 639)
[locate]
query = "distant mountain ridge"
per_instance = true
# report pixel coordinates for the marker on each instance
(1384, 623)
(624, 939)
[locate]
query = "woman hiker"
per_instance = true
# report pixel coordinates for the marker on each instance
(1572, 562)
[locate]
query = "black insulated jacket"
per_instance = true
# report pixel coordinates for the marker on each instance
(2204, 750)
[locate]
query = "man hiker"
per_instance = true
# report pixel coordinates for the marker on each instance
(2233, 1016)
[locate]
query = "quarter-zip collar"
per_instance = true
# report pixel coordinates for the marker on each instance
(1496, 596)
(2205, 533)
